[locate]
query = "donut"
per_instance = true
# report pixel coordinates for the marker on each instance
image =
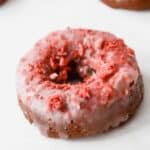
(128, 4)
(78, 82)
(2, 1)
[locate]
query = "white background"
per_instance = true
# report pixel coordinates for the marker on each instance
(22, 23)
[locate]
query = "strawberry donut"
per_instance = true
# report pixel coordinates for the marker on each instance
(78, 82)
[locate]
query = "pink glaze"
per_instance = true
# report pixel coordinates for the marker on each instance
(71, 73)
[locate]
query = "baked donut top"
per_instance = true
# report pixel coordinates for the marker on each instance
(76, 69)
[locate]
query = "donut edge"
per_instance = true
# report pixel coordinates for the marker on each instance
(73, 129)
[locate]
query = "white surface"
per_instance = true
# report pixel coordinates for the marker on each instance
(22, 23)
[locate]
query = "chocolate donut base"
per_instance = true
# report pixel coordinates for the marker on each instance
(131, 5)
(2, 2)
(73, 129)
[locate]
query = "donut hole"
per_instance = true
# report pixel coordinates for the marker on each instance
(73, 73)
(67, 74)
